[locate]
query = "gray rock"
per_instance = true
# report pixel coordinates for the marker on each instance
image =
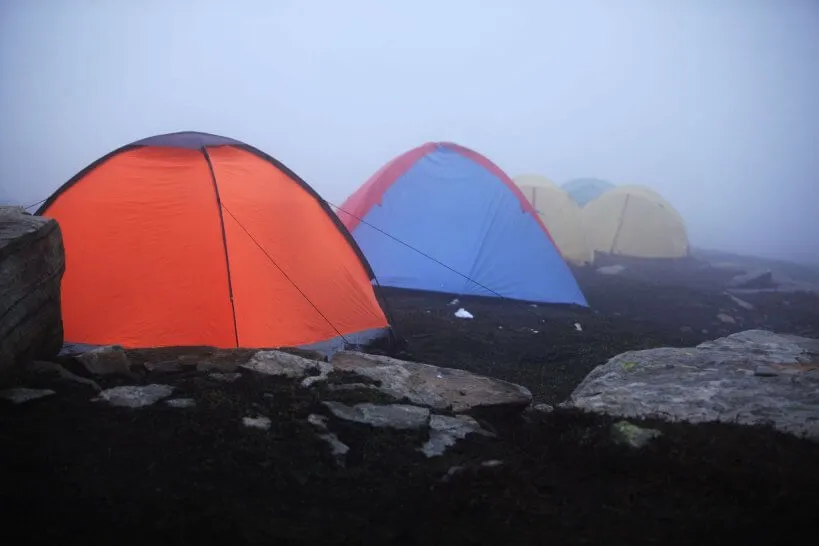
(135, 396)
(32, 263)
(318, 421)
(445, 431)
(754, 279)
(741, 303)
(625, 433)
(284, 364)
(398, 416)
(181, 403)
(434, 386)
(338, 448)
(228, 377)
(543, 408)
(537, 412)
(107, 360)
(715, 381)
(21, 394)
(422, 384)
(611, 269)
(727, 319)
(460, 469)
(261, 422)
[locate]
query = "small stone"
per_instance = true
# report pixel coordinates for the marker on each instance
(228, 377)
(742, 303)
(728, 319)
(168, 366)
(261, 423)
(625, 433)
(318, 421)
(135, 396)
(611, 270)
(285, 364)
(181, 402)
(108, 360)
(338, 448)
(452, 472)
(398, 416)
(21, 394)
(445, 431)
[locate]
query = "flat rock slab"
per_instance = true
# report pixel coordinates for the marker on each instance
(434, 386)
(135, 396)
(421, 384)
(21, 394)
(398, 416)
(751, 377)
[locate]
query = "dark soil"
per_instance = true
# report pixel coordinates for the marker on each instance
(85, 472)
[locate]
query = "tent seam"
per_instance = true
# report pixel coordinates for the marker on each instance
(224, 241)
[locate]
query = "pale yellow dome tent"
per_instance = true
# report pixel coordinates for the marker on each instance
(560, 214)
(635, 221)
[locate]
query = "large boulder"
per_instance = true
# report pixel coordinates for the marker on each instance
(751, 377)
(32, 262)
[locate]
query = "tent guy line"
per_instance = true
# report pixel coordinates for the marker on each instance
(286, 276)
(422, 253)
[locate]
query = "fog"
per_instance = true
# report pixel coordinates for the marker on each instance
(713, 104)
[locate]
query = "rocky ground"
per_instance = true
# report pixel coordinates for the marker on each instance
(250, 461)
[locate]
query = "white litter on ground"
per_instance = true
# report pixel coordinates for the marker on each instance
(578, 327)
(456, 301)
(262, 423)
(463, 313)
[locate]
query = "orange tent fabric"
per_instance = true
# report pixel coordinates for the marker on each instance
(196, 239)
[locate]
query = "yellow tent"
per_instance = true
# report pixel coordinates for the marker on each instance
(635, 221)
(560, 214)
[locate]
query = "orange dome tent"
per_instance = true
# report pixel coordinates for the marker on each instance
(196, 239)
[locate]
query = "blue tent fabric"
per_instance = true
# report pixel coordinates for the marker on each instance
(585, 190)
(448, 224)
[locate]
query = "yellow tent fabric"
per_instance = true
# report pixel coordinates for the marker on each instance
(560, 214)
(635, 221)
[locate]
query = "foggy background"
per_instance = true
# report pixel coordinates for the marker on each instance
(713, 104)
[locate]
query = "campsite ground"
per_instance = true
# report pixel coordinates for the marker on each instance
(76, 470)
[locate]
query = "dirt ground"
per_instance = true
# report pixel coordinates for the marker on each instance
(71, 469)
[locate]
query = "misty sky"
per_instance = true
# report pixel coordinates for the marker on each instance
(712, 103)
